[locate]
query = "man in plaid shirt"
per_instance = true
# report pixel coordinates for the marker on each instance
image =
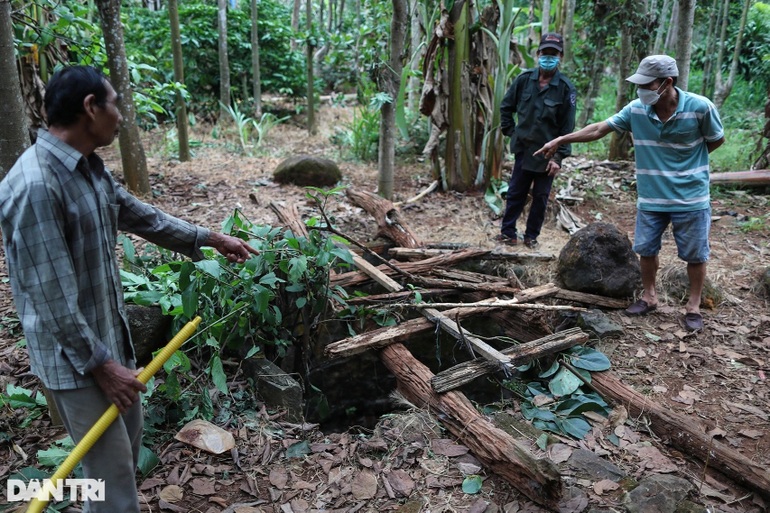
(60, 211)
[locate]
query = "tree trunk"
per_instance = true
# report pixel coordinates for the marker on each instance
(181, 107)
(763, 162)
(658, 48)
(390, 81)
(295, 23)
(311, 124)
(708, 68)
(621, 143)
(722, 44)
(684, 41)
(131, 149)
(14, 137)
(416, 33)
(546, 17)
(459, 161)
(568, 31)
(723, 90)
(224, 63)
(673, 26)
(257, 90)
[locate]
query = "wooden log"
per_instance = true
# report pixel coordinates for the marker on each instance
(685, 433)
(401, 333)
(591, 299)
(354, 278)
(468, 371)
(422, 253)
(288, 216)
(391, 297)
(756, 177)
(538, 479)
(388, 217)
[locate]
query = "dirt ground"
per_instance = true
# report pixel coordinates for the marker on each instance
(717, 377)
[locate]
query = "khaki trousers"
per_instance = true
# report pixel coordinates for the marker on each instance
(114, 456)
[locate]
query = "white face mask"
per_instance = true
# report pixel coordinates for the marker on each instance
(648, 97)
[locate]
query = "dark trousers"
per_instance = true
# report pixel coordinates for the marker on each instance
(518, 187)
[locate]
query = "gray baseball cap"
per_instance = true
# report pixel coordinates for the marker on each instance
(652, 67)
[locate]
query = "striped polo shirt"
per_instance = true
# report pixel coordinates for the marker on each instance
(672, 159)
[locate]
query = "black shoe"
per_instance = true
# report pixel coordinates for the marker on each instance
(508, 241)
(530, 243)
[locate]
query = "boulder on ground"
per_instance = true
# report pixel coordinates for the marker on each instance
(598, 259)
(307, 170)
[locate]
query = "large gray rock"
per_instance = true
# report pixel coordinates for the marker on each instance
(308, 170)
(149, 330)
(660, 493)
(275, 387)
(598, 259)
(588, 465)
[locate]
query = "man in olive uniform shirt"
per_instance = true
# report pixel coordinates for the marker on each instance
(544, 101)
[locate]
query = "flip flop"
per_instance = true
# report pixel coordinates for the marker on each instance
(693, 321)
(641, 307)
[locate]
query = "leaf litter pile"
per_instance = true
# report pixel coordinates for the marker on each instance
(409, 462)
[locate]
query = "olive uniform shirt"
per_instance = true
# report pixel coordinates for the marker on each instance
(543, 115)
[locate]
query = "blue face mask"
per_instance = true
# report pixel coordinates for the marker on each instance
(548, 62)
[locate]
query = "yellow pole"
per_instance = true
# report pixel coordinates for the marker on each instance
(37, 505)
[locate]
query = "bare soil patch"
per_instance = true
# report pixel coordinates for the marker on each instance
(717, 376)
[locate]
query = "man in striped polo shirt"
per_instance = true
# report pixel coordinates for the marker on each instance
(674, 131)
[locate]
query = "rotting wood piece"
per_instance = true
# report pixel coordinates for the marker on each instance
(423, 253)
(382, 337)
(755, 177)
(685, 433)
(591, 299)
(353, 278)
(468, 371)
(387, 216)
(538, 479)
(288, 216)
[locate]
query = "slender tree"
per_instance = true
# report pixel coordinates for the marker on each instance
(296, 7)
(684, 41)
(711, 38)
(257, 89)
(131, 150)
(224, 63)
(546, 17)
(390, 79)
(309, 46)
(416, 49)
(14, 137)
(181, 107)
(723, 89)
(568, 31)
(658, 48)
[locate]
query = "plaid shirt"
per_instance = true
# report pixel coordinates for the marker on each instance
(59, 214)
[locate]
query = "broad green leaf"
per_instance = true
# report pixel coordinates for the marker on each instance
(190, 301)
(532, 412)
(178, 361)
(210, 267)
(575, 427)
(148, 460)
(551, 371)
(218, 374)
(472, 484)
(52, 457)
(589, 359)
(542, 441)
(254, 350)
(564, 383)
